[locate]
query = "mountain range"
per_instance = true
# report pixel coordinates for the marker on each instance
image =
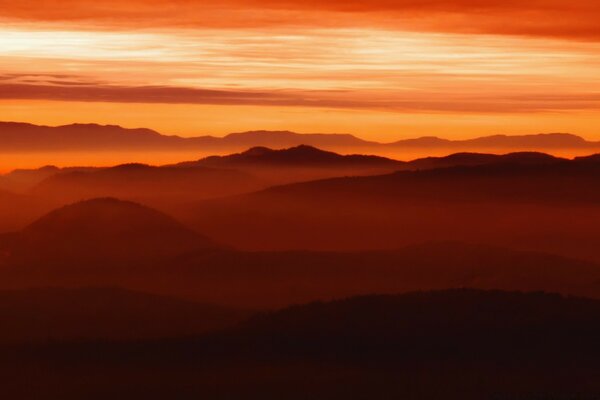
(23, 137)
(281, 269)
(253, 169)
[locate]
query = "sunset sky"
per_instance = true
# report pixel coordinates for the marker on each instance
(381, 69)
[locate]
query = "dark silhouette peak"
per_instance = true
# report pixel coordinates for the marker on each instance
(300, 151)
(131, 167)
(475, 159)
(257, 151)
(299, 163)
(306, 149)
(104, 214)
(308, 153)
(108, 227)
(461, 158)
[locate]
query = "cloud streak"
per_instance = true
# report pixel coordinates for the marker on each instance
(318, 64)
(575, 19)
(401, 102)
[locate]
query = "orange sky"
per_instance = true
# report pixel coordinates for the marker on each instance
(382, 69)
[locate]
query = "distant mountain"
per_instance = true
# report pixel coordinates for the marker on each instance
(95, 313)
(92, 137)
(27, 137)
(539, 141)
(98, 230)
(455, 344)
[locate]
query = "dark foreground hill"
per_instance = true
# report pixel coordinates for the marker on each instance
(459, 344)
(94, 313)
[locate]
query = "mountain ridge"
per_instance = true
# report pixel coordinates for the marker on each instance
(26, 136)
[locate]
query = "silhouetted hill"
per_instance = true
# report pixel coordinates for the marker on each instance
(300, 163)
(301, 156)
(93, 313)
(148, 184)
(474, 159)
(458, 344)
(95, 230)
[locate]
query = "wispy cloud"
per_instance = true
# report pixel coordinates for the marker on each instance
(574, 19)
(463, 58)
(401, 102)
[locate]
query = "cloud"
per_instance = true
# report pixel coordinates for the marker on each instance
(574, 19)
(400, 102)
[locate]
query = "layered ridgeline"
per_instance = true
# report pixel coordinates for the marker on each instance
(114, 243)
(24, 137)
(216, 176)
(528, 201)
(532, 201)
